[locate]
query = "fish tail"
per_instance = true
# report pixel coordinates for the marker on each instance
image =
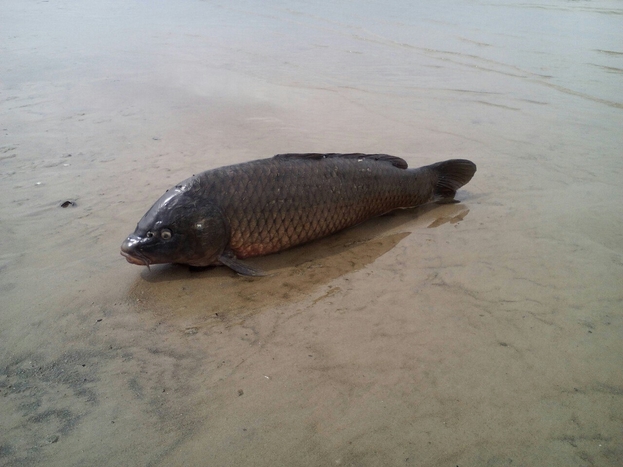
(452, 175)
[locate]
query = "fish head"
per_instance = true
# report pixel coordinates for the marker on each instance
(178, 229)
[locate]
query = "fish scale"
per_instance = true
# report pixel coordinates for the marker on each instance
(321, 197)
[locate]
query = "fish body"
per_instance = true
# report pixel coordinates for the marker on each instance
(255, 208)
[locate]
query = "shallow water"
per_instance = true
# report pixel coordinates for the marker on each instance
(483, 333)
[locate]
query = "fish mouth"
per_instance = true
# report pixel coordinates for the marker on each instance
(135, 259)
(128, 250)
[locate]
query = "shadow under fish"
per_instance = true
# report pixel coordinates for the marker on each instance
(174, 293)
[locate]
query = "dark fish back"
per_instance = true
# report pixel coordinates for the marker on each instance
(274, 204)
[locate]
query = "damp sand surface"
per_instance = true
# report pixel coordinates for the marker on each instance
(481, 333)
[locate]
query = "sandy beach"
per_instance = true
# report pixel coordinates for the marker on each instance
(484, 333)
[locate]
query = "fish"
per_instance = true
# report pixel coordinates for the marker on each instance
(224, 215)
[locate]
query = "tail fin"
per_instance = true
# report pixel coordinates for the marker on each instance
(453, 174)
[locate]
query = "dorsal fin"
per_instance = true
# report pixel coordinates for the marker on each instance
(393, 160)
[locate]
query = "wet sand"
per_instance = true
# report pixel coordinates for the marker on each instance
(482, 333)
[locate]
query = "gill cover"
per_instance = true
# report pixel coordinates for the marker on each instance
(178, 230)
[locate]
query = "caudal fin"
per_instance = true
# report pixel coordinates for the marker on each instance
(453, 174)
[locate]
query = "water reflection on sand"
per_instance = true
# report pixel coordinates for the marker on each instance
(482, 333)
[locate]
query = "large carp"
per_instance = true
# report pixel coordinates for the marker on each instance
(255, 208)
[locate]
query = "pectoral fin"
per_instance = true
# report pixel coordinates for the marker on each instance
(230, 260)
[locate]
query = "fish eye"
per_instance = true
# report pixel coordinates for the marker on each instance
(165, 234)
(149, 234)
